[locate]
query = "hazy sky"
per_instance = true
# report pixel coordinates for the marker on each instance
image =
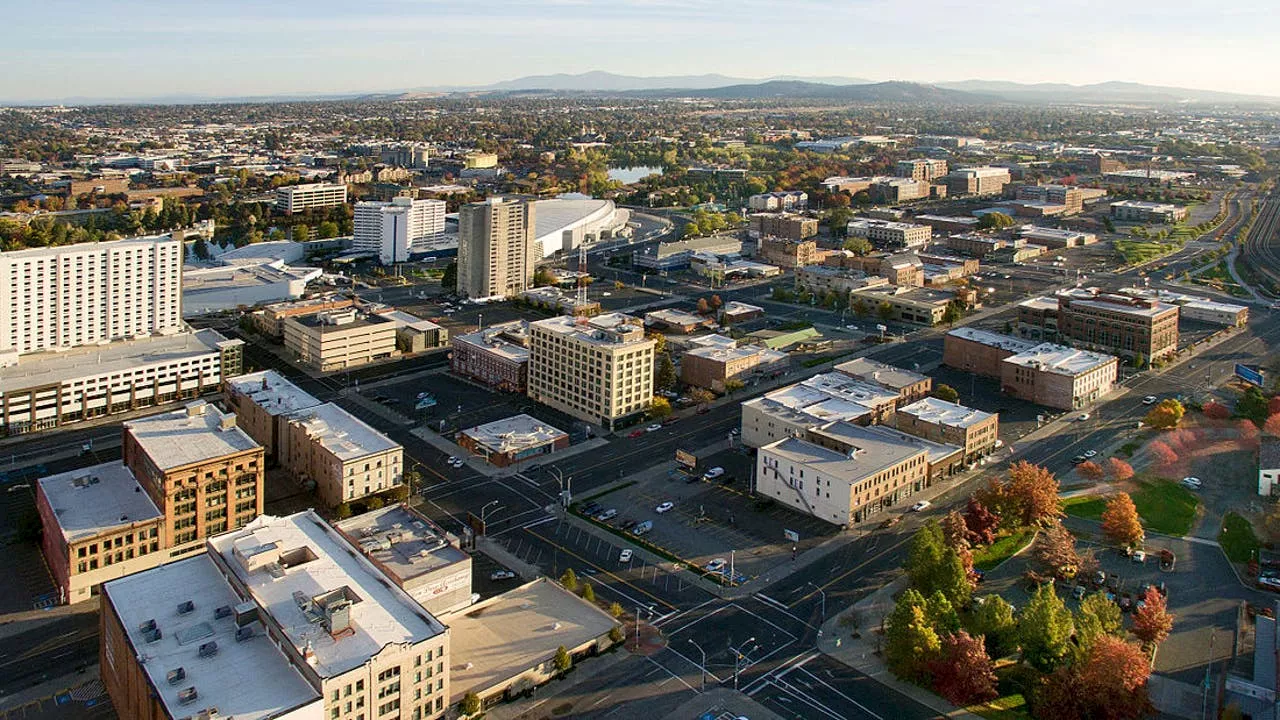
(132, 48)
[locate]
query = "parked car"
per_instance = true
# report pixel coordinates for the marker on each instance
(1082, 417)
(625, 555)
(642, 528)
(1149, 400)
(501, 575)
(664, 507)
(653, 428)
(1090, 453)
(1099, 579)
(607, 515)
(1191, 483)
(890, 522)
(714, 473)
(716, 565)
(1138, 556)
(635, 433)
(1079, 459)
(1078, 592)
(922, 505)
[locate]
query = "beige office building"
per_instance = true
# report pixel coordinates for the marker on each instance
(927, 169)
(296, 198)
(944, 422)
(346, 458)
(598, 369)
(338, 339)
(984, 180)
(496, 248)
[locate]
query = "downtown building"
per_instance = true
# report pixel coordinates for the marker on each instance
(1071, 198)
(94, 329)
(886, 232)
(397, 229)
(984, 180)
(497, 356)
(496, 251)
(1141, 329)
(597, 369)
(296, 198)
(926, 169)
(1052, 375)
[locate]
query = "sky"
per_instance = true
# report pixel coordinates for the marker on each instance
(60, 49)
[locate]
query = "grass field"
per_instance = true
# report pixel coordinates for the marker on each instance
(1237, 538)
(985, 558)
(1165, 507)
(1140, 251)
(1009, 707)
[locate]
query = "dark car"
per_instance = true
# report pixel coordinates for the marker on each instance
(1079, 459)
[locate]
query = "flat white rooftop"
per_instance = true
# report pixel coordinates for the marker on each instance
(270, 391)
(879, 373)
(404, 542)
(247, 680)
(1042, 302)
(941, 412)
(585, 329)
(986, 337)
(1060, 359)
(188, 436)
(874, 453)
(342, 433)
(514, 433)
(92, 361)
(381, 613)
(404, 319)
(90, 501)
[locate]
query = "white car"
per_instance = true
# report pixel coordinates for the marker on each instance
(1090, 453)
(653, 428)
(458, 462)
(501, 575)
(624, 556)
(1149, 400)
(922, 505)
(664, 507)
(713, 473)
(1191, 483)
(1082, 417)
(716, 565)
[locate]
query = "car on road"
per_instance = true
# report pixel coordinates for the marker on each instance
(501, 575)
(1149, 400)
(716, 565)
(624, 556)
(1082, 417)
(1078, 459)
(653, 428)
(635, 433)
(890, 522)
(1191, 483)
(714, 473)
(1138, 556)
(920, 506)
(1090, 453)
(664, 507)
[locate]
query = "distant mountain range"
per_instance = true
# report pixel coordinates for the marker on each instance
(715, 86)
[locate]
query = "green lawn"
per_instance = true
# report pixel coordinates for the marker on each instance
(1237, 538)
(985, 558)
(1140, 251)
(1165, 507)
(1009, 707)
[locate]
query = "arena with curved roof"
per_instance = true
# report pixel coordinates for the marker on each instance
(562, 224)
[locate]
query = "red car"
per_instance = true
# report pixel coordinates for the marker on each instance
(635, 433)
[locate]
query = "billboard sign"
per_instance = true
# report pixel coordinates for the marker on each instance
(686, 460)
(1249, 375)
(791, 535)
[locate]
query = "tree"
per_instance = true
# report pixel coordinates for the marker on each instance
(1113, 680)
(941, 614)
(1055, 549)
(909, 642)
(659, 407)
(703, 306)
(1252, 405)
(884, 311)
(953, 312)
(1096, 617)
(588, 593)
(1166, 415)
(701, 396)
(449, 280)
(1153, 621)
(301, 233)
(659, 342)
(732, 385)
(327, 229)
(615, 609)
(1163, 454)
(1120, 521)
(995, 221)
(665, 376)
(615, 635)
(569, 580)
(992, 619)
(859, 308)
(1138, 361)
(934, 567)
(1034, 492)
(200, 249)
(964, 673)
(470, 704)
(947, 393)
(543, 277)
(1090, 470)
(374, 503)
(716, 302)
(563, 661)
(1044, 629)
(1119, 469)
(955, 533)
(342, 511)
(1216, 411)
(858, 246)
(981, 522)
(1272, 425)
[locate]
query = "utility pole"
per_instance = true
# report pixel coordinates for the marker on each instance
(1204, 692)
(704, 664)
(737, 660)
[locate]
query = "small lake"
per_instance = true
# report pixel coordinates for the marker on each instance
(629, 175)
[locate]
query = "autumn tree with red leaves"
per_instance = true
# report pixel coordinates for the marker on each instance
(1090, 470)
(1153, 621)
(1109, 683)
(1119, 469)
(981, 522)
(964, 674)
(1120, 521)
(1034, 493)
(1055, 549)
(1163, 454)
(1272, 425)
(1216, 411)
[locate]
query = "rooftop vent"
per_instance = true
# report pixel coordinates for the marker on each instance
(246, 612)
(228, 422)
(222, 611)
(148, 626)
(209, 649)
(244, 633)
(176, 675)
(152, 635)
(186, 606)
(188, 695)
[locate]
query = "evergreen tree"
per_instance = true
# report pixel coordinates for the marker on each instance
(1044, 629)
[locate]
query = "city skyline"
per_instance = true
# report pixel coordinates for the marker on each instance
(221, 50)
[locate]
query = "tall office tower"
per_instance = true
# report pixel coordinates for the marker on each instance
(397, 228)
(63, 297)
(495, 247)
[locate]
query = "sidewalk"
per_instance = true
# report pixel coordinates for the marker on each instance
(79, 685)
(529, 708)
(837, 640)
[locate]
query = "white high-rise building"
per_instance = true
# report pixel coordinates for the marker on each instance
(296, 198)
(397, 228)
(91, 293)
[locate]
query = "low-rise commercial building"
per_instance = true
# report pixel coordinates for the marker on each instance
(1196, 308)
(497, 356)
(898, 190)
(984, 180)
(270, 319)
(941, 421)
(850, 185)
(51, 389)
(843, 487)
(980, 351)
(1148, 212)
(910, 386)
(904, 268)
(787, 227)
(263, 403)
(415, 335)
(789, 253)
(513, 440)
(677, 321)
(414, 553)
(927, 169)
(712, 367)
(924, 306)
(556, 300)
(339, 339)
(737, 312)
(1069, 196)
(893, 234)
(979, 246)
(678, 255)
(1056, 238)
(1144, 176)
(1059, 377)
(228, 287)
(948, 223)
(342, 455)
(787, 201)
(825, 278)
(596, 369)
(1038, 319)
(1135, 328)
(296, 198)
(823, 398)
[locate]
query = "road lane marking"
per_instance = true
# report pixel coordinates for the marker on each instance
(604, 570)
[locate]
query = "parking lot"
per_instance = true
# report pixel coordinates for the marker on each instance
(88, 700)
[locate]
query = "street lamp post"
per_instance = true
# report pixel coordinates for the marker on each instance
(823, 595)
(704, 663)
(484, 511)
(737, 660)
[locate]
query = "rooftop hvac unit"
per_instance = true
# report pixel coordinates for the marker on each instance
(246, 613)
(188, 695)
(152, 635)
(209, 649)
(186, 606)
(176, 675)
(244, 633)
(222, 611)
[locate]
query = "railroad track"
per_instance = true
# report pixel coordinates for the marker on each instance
(1262, 247)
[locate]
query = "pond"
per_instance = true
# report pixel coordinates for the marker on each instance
(629, 175)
